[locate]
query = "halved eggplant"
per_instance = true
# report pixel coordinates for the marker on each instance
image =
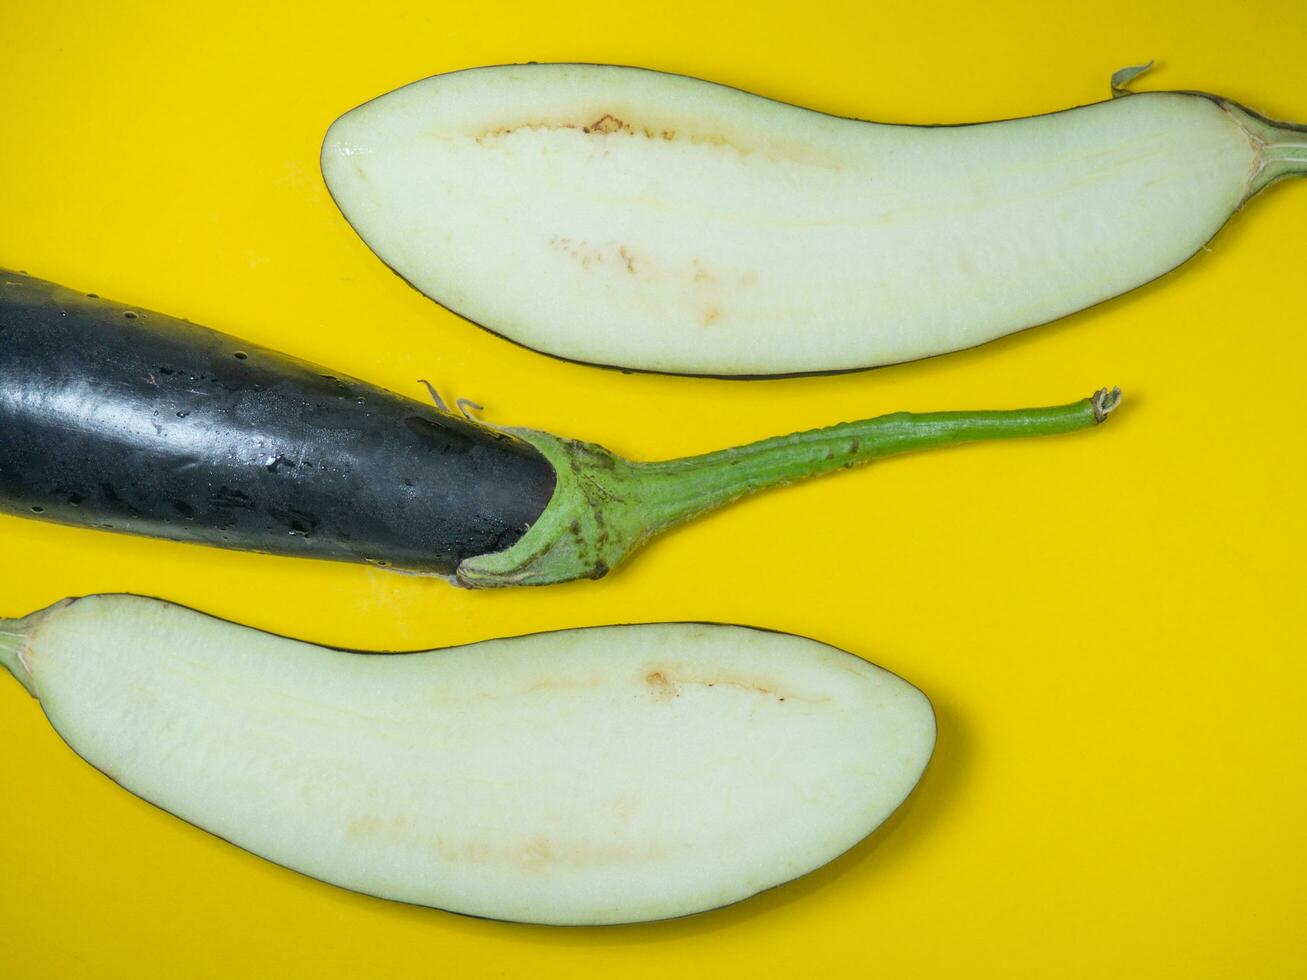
(643, 220)
(602, 775)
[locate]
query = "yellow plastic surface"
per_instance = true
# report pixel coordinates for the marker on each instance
(1109, 624)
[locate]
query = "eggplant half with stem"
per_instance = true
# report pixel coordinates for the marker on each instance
(119, 418)
(589, 776)
(649, 221)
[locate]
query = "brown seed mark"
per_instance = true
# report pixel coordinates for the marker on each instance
(607, 124)
(661, 682)
(661, 688)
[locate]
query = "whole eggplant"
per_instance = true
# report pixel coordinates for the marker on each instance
(120, 418)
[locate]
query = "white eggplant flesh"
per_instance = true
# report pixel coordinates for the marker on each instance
(650, 221)
(603, 775)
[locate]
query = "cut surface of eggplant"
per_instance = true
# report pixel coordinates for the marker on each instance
(643, 220)
(601, 775)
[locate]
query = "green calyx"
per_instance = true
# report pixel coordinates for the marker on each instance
(604, 507)
(593, 519)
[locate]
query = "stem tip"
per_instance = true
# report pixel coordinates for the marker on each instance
(1105, 402)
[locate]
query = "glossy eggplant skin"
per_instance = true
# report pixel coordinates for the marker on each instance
(120, 418)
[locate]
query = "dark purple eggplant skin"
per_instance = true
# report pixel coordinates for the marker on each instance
(125, 419)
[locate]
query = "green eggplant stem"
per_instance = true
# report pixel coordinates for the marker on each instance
(1287, 157)
(1282, 147)
(604, 507)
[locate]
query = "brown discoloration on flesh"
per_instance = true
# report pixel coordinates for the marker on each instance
(493, 134)
(550, 683)
(659, 686)
(665, 686)
(463, 852)
(375, 825)
(606, 124)
(710, 316)
(587, 254)
(583, 252)
(367, 826)
(537, 853)
(610, 125)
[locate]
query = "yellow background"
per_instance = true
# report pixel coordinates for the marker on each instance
(1109, 624)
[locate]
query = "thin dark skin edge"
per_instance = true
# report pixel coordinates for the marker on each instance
(1220, 101)
(485, 918)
